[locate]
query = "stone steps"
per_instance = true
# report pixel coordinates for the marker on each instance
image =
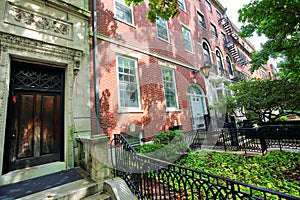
(98, 196)
(74, 190)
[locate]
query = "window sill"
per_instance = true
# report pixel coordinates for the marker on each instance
(161, 39)
(124, 22)
(189, 51)
(173, 110)
(124, 111)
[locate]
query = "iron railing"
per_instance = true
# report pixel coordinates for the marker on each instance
(149, 178)
(260, 139)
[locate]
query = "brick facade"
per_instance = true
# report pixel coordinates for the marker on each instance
(139, 41)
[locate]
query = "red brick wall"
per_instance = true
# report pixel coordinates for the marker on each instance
(142, 35)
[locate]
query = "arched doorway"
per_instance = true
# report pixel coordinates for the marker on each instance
(197, 106)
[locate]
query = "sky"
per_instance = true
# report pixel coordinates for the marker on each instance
(232, 12)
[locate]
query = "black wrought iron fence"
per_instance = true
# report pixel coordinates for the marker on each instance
(260, 139)
(149, 178)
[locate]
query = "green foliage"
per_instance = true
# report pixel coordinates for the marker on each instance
(277, 171)
(165, 9)
(167, 145)
(258, 99)
(279, 21)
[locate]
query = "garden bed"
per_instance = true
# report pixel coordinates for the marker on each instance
(278, 171)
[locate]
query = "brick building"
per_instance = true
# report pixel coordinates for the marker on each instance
(149, 73)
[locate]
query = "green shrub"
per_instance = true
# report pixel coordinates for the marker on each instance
(167, 145)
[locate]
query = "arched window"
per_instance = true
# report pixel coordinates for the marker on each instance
(206, 52)
(228, 63)
(219, 61)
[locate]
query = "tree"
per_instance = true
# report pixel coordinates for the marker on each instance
(165, 9)
(279, 21)
(264, 100)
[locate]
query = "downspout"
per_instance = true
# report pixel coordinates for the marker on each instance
(95, 65)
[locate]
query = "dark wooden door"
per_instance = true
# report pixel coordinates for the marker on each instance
(34, 126)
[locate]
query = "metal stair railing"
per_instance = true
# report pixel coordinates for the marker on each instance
(149, 178)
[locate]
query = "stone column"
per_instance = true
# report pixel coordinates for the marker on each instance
(96, 157)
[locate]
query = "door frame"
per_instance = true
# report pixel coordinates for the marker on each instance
(26, 89)
(18, 48)
(195, 90)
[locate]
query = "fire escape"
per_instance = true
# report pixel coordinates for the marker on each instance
(230, 44)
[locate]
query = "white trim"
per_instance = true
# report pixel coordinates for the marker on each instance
(130, 7)
(203, 16)
(168, 35)
(127, 109)
(125, 52)
(164, 64)
(173, 109)
(130, 110)
(118, 42)
(184, 27)
(169, 109)
(183, 2)
(214, 25)
(210, 7)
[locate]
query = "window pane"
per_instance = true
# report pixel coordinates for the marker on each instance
(123, 12)
(162, 29)
(229, 66)
(218, 15)
(181, 4)
(206, 53)
(201, 20)
(208, 6)
(169, 87)
(128, 86)
(219, 61)
(187, 39)
(214, 30)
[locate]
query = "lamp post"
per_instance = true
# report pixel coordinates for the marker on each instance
(205, 69)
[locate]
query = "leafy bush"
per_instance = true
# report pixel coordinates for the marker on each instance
(167, 145)
(278, 171)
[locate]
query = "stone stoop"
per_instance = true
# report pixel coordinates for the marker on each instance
(72, 191)
(98, 196)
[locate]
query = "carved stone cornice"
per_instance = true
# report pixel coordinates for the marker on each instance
(22, 44)
(39, 22)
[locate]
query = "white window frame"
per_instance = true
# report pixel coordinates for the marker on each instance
(123, 5)
(208, 6)
(224, 39)
(181, 4)
(214, 30)
(201, 16)
(219, 16)
(173, 82)
(188, 40)
(229, 65)
(220, 61)
(166, 29)
(124, 108)
(208, 51)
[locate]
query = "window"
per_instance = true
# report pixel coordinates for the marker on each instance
(169, 87)
(224, 38)
(128, 83)
(181, 4)
(206, 53)
(201, 19)
(162, 29)
(208, 6)
(214, 30)
(123, 12)
(228, 63)
(218, 15)
(187, 39)
(219, 61)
